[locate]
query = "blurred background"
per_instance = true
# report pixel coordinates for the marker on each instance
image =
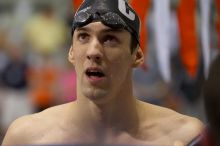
(179, 39)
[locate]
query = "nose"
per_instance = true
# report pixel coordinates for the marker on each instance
(94, 52)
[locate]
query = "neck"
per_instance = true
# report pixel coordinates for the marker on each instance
(117, 115)
(109, 120)
(120, 108)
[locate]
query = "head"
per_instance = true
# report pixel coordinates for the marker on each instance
(113, 13)
(105, 47)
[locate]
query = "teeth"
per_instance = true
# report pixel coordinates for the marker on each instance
(94, 71)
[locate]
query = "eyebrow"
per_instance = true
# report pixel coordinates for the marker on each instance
(106, 30)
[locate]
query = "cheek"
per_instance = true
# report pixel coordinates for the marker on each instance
(117, 55)
(120, 66)
(79, 52)
(120, 58)
(79, 56)
(121, 63)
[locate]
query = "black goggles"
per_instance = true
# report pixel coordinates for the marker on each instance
(109, 19)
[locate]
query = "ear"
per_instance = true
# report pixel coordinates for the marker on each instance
(138, 58)
(71, 55)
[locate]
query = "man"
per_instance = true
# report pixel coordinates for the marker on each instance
(104, 51)
(212, 104)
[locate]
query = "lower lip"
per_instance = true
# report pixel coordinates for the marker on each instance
(95, 80)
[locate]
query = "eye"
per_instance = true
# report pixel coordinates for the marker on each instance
(110, 40)
(83, 37)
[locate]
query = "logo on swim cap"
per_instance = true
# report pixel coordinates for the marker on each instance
(112, 13)
(122, 6)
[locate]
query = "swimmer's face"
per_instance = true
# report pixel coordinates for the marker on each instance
(102, 59)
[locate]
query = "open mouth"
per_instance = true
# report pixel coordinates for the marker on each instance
(98, 73)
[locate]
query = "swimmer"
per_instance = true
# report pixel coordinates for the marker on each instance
(105, 49)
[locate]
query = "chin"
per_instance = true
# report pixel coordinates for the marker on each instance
(95, 94)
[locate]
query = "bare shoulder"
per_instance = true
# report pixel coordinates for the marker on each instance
(177, 126)
(189, 128)
(27, 129)
(19, 130)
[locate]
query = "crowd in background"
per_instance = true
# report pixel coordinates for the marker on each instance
(35, 73)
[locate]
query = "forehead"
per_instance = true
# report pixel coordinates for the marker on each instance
(99, 27)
